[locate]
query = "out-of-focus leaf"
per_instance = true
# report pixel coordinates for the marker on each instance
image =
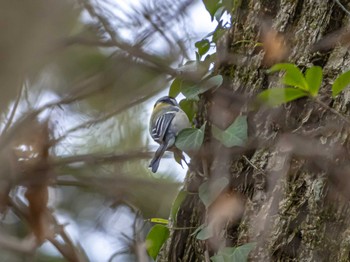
(176, 204)
(205, 233)
(210, 190)
(236, 254)
(190, 139)
(192, 91)
(203, 46)
(175, 88)
(235, 135)
(219, 12)
(313, 78)
(155, 239)
(189, 107)
(214, 81)
(211, 6)
(278, 96)
(159, 220)
(197, 230)
(341, 83)
(218, 32)
(293, 77)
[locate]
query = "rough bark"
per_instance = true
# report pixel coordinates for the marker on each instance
(294, 172)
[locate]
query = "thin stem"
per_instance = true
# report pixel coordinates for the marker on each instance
(346, 120)
(14, 109)
(342, 7)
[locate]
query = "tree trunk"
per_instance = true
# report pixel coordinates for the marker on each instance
(293, 175)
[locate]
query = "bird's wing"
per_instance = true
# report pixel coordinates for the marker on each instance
(162, 125)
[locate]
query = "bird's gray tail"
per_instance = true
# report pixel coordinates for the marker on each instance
(157, 156)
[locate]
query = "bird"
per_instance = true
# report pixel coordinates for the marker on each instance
(166, 122)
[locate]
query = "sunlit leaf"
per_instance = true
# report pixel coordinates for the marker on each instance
(210, 190)
(293, 77)
(159, 220)
(278, 96)
(235, 135)
(192, 91)
(313, 78)
(155, 239)
(175, 88)
(190, 139)
(341, 83)
(203, 46)
(176, 204)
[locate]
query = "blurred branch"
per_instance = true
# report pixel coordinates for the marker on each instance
(134, 51)
(93, 159)
(67, 248)
(27, 245)
(14, 109)
(106, 116)
(81, 90)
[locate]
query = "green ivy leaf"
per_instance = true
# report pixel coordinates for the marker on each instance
(313, 77)
(210, 190)
(205, 233)
(175, 88)
(219, 258)
(278, 96)
(240, 254)
(203, 46)
(155, 239)
(212, 6)
(197, 230)
(192, 91)
(341, 83)
(293, 77)
(214, 81)
(235, 135)
(219, 31)
(176, 204)
(219, 12)
(189, 107)
(236, 254)
(190, 139)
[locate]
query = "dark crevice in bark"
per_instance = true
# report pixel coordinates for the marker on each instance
(293, 20)
(270, 8)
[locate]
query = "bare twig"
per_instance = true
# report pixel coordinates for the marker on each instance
(103, 118)
(93, 159)
(342, 7)
(346, 120)
(14, 109)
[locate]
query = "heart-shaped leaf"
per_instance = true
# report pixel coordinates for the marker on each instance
(210, 190)
(190, 139)
(235, 135)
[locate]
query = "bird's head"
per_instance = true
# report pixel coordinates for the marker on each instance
(166, 100)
